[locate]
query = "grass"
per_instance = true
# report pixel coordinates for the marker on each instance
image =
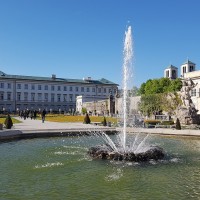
(15, 121)
(78, 118)
(64, 118)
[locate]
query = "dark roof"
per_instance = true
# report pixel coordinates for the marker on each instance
(172, 66)
(188, 62)
(66, 80)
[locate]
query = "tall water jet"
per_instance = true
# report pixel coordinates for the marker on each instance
(127, 74)
(120, 150)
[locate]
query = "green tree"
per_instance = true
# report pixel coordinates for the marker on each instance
(141, 90)
(84, 111)
(161, 85)
(134, 91)
(150, 104)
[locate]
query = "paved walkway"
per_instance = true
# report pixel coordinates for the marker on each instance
(35, 128)
(36, 125)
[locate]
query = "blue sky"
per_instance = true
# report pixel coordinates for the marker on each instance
(80, 38)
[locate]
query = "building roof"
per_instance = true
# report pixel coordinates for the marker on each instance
(188, 62)
(171, 66)
(54, 79)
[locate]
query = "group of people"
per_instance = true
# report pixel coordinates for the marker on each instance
(28, 113)
(32, 114)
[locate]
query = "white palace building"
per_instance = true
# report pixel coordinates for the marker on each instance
(18, 92)
(188, 70)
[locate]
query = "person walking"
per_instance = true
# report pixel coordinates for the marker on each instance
(43, 115)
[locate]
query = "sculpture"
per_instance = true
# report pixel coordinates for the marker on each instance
(187, 113)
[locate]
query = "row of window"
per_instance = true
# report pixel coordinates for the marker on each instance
(191, 69)
(56, 88)
(39, 97)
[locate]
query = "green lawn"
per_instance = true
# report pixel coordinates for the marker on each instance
(78, 118)
(15, 121)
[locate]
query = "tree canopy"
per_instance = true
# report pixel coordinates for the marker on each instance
(159, 95)
(161, 85)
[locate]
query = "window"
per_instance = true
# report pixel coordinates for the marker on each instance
(46, 96)
(65, 88)
(26, 86)
(167, 73)
(93, 90)
(70, 97)
(39, 96)
(76, 89)
(52, 97)
(52, 88)
(99, 90)
(104, 90)
(184, 69)
(1, 96)
(88, 89)
(32, 87)
(59, 88)
(65, 97)
(58, 97)
(9, 85)
(46, 87)
(8, 96)
(25, 96)
(18, 96)
(32, 96)
(18, 86)
(1, 85)
(39, 87)
(70, 89)
(82, 89)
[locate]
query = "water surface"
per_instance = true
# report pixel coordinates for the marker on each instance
(59, 168)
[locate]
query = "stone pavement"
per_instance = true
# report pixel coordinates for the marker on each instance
(36, 125)
(35, 128)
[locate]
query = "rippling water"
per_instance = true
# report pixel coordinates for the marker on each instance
(59, 168)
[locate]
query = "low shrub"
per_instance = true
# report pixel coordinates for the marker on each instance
(86, 119)
(178, 124)
(8, 122)
(152, 122)
(104, 121)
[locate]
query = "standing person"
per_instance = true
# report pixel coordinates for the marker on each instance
(43, 115)
(34, 114)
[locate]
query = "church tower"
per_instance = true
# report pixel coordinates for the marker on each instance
(186, 67)
(171, 72)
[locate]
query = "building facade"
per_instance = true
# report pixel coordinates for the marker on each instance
(19, 92)
(96, 105)
(188, 71)
(171, 72)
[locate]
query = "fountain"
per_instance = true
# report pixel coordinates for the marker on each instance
(121, 151)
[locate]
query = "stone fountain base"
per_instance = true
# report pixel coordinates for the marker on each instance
(105, 152)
